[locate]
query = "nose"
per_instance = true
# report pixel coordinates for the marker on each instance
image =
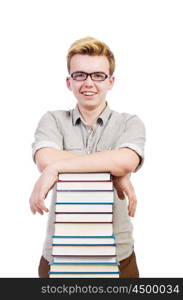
(88, 81)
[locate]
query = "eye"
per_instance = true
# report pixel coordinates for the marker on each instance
(99, 76)
(79, 76)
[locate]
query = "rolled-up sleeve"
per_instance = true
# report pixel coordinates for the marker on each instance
(133, 136)
(47, 134)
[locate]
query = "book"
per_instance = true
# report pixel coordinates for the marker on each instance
(83, 268)
(84, 250)
(84, 275)
(59, 240)
(83, 217)
(85, 196)
(84, 185)
(84, 259)
(84, 207)
(83, 229)
(85, 176)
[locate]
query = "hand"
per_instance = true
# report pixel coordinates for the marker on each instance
(124, 186)
(41, 188)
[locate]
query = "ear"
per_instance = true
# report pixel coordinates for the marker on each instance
(68, 83)
(111, 82)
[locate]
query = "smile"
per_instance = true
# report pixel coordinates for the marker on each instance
(88, 93)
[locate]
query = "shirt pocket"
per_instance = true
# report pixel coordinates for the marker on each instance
(104, 145)
(71, 143)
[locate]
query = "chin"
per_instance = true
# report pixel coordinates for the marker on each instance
(90, 103)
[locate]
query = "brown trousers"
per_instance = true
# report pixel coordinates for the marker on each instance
(128, 267)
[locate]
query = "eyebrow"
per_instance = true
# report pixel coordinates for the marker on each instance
(90, 72)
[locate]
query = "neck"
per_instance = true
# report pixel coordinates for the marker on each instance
(90, 115)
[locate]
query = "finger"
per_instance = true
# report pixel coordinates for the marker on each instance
(131, 199)
(37, 204)
(31, 203)
(39, 210)
(132, 206)
(41, 202)
(132, 211)
(129, 192)
(33, 210)
(42, 206)
(121, 195)
(116, 184)
(34, 205)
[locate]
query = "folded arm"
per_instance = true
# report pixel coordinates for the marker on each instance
(118, 162)
(51, 162)
(46, 156)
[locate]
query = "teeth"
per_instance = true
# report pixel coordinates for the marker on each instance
(88, 93)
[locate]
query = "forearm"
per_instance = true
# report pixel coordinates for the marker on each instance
(117, 162)
(47, 156)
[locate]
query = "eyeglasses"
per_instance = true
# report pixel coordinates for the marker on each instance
(95, 76)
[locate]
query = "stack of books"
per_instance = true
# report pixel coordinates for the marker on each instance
(83, 244)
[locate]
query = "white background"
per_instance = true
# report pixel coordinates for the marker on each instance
(146, 38)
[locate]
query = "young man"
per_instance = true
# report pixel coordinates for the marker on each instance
(90, 138)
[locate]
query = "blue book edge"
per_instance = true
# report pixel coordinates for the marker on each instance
(85, 236)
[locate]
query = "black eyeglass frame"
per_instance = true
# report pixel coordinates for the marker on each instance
(89, 74)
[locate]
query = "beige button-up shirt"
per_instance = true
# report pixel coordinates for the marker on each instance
(66, 130)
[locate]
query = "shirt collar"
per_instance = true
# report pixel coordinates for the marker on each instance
(103, 117)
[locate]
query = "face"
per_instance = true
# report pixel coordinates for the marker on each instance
(90, 94)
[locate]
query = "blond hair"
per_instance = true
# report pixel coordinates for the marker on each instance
(91, 46)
